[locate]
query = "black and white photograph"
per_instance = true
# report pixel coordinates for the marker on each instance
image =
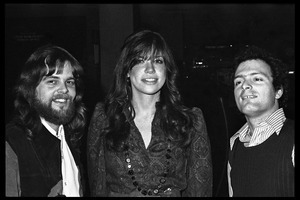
(150, 100)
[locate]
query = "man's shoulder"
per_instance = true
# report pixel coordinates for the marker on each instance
(290, 122)
(15, 136)
(288, 128)
(233, 138)
(12, 129)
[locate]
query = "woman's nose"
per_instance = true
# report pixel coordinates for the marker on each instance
(150, 67)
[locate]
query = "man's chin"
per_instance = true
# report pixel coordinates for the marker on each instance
(60, 110)
(60, 107)
(56, 114)
(60, 117)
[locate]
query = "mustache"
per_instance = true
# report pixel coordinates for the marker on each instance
(62, 96)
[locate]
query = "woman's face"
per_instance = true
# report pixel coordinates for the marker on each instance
(148, 75)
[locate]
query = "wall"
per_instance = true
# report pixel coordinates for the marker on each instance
(115, 23)
(93, 33)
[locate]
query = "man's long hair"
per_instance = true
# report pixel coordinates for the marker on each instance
(175, 119)
(45, 61)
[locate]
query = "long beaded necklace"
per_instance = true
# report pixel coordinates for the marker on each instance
(158, 189)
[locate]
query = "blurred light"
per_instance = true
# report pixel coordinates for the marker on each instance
(291, 72)
(200, 66)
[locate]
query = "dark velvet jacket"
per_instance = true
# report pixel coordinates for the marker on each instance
(189, 170)
(39, 160)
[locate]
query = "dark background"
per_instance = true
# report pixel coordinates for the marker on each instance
(203, 37)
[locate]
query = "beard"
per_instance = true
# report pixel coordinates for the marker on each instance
(54, 116)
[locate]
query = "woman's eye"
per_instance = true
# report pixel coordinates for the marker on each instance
(140, 61)
(159, 61)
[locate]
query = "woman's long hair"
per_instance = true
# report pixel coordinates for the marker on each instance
(175, 118)
(44, 62)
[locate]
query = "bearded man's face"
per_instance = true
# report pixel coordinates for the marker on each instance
(55, 96)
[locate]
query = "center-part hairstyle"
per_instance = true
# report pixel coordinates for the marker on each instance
(279, 70)
(45, 61)
(176, 119)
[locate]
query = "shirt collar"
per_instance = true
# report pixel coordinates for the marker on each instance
(275, 121)
(48, 127)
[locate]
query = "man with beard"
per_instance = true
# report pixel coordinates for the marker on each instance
(42, 139)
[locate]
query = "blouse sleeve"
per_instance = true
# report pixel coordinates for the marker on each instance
(95, 153)
(199, 164)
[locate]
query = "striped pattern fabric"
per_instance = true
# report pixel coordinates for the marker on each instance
(261, 133)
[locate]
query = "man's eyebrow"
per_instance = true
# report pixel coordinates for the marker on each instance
(49, 77)
(71, 78)
(251, 74)
(56, 77)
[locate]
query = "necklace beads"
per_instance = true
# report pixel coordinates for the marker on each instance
(158, 189)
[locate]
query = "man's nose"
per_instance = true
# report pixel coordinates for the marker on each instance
(62, 88)
(246, 85)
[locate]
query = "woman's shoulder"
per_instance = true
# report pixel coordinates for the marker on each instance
(98, 118)
(99, 106)
(99, 110)
(197, 112)
(199, 121)
(98, 121)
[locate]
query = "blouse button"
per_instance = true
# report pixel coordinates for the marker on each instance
(162, 180)
(144, 192)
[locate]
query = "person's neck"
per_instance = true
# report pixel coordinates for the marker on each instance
(54, 126)
(254, 120)
(145, 105)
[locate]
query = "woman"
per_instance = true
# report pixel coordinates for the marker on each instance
(142, 140)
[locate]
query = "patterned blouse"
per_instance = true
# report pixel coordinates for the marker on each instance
(161, 169)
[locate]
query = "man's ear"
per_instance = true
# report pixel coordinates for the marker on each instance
(279, 93)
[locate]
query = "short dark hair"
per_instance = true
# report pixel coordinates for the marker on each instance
(279, 69)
